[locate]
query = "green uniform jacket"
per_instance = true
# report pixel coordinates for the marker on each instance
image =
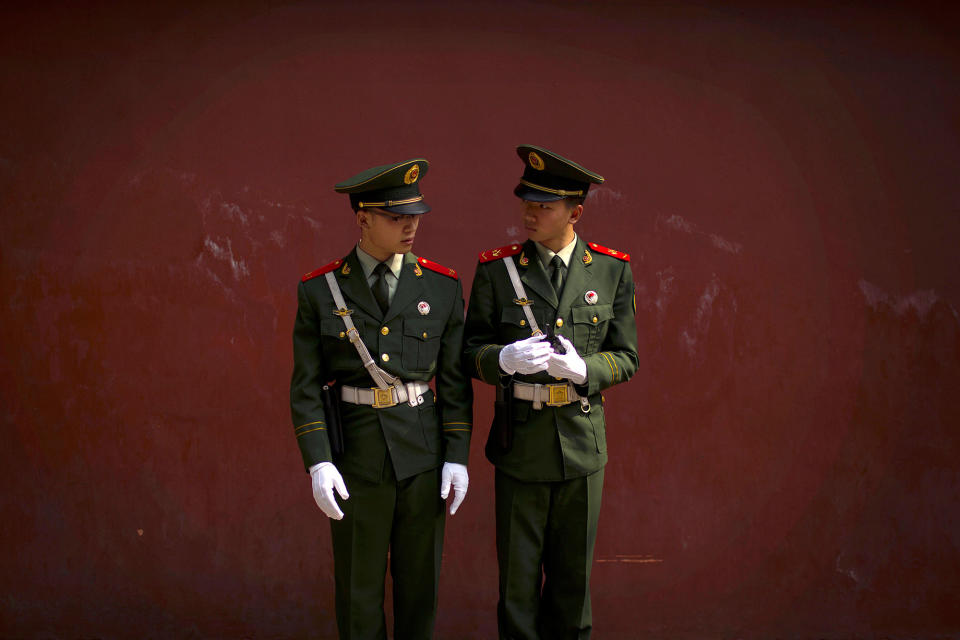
(419, 337)
(555, 443)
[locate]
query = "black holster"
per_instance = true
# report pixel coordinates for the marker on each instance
(330, 394)
(503, 414)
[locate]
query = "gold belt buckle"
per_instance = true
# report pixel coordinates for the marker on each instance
(383, 398)
(558, 395)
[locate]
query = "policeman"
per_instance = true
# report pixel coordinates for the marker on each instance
(549, 441)
(381, 323)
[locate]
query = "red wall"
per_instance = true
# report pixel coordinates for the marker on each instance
(784, 463)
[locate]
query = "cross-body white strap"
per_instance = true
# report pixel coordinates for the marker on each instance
(383, 379)
(521, 298)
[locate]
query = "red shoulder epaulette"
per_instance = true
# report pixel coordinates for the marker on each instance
(610, 252)
(322, 270)
(439, 268)
(502, 252)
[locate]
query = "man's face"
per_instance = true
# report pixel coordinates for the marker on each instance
(388, 232)
(549, 222)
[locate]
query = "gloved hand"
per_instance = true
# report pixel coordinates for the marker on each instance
(456, 474)
(525, 356)
(569, 365)
(325, 477)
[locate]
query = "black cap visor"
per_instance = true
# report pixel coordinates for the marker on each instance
(524, 192)
(411, 209)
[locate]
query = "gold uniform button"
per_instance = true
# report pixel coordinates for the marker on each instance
(523, 323)
(343, 335)
(559, 322)
(595, 319)
(385, 330)
(385, 357)
(424, 334)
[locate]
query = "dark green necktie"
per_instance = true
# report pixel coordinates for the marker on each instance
(380, 291)
(556, 275)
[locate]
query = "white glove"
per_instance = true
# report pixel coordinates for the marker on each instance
(325, 477)
(569, 365)
(456, 474)
(525, 356)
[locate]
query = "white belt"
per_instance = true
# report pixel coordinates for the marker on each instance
(552, 395)
(409, 392)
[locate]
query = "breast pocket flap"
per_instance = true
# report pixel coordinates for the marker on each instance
(333, 328)
(513, 316)
(592, 313)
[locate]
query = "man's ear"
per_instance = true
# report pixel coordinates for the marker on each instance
(575, 214)
(363, 219)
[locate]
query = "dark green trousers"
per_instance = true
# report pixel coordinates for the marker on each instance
(406, 518)
(545, 537)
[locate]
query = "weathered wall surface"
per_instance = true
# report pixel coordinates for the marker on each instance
(784, 463)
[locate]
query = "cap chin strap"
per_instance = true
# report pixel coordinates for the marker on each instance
(389, 203)
(559, 192)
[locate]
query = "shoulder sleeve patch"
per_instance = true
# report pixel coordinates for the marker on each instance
(620, 255)
(439, 268)
(502, 252)
(322, 270)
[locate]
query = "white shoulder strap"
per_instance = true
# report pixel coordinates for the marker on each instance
(383, 379)
(521, 298)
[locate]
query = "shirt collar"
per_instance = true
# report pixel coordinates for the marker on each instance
(546, 255)
(368, 263)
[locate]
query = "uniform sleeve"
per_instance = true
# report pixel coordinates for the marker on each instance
(454, 389)
(306, 405)
(617, 360)
(481, 353)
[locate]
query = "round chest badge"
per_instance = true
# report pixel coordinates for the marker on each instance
(590, 297)
(424, 308)
(535, 161)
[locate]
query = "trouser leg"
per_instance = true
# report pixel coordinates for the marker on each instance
(415, 551)
(565, 612)
(360, 542)
(522, 509)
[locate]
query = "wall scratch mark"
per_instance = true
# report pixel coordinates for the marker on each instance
(224, 253)
(679, 223)
(234, 212)
(920, 301)
(704, 313)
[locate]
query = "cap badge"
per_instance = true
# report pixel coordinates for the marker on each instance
(590, 297)
(417, 271)
(524, 260)
(423, 307)
(535, 161)
(346, 269)
(412, 174)
(587, 258)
